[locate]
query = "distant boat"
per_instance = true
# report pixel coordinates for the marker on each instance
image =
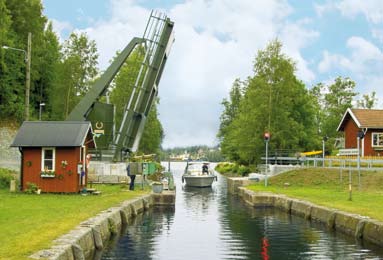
(198, 174)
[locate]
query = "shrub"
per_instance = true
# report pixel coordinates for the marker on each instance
(5, 178)
(31, 188)
(224, 168)
(243, 170)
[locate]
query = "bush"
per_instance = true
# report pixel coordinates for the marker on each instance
(31, 188)
(232, 168)
(227, 168)
(5, 178)
(243, 170)
(224, 168)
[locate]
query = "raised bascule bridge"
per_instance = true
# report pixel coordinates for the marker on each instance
(113, 141)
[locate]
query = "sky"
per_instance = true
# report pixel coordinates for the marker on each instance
(216, 41)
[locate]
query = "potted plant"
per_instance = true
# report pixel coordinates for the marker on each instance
(156, 178)
(157, 187)
(47, 174)
(64, 164)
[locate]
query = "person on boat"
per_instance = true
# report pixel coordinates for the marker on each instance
(205, 168)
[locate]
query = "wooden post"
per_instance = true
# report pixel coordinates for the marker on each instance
(28, 76)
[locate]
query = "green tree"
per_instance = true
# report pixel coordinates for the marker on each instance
(27, 16)
(12, 69)
(85, 50)
(368, 101)
(338, 98)
(77, 70)
(153, 133)
(50, 61)
(18, 18)
(231, 108)
(274, 101)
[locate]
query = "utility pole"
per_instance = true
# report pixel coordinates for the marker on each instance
(28, 76)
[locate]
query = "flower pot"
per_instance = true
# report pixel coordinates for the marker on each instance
(157, 187)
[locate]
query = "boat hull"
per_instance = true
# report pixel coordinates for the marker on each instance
(199, 181)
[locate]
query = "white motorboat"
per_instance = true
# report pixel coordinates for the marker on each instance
(198, 174)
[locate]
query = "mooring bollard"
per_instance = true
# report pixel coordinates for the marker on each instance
(12, 186)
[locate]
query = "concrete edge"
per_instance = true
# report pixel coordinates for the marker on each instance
(92, 234)
(354, 225)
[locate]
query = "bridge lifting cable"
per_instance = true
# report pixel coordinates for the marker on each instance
(155, 43)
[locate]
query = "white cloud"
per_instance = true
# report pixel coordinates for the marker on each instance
(216, 42)
(377, 34)
(371, 9)
(364, 50)
(363, 54)
(61, 28)
(364, 63)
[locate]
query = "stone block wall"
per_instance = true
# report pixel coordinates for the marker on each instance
(88, 239)
(352, 224)
(9, 156)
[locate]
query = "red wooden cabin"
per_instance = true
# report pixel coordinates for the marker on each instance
(53, 154)
(370, 122)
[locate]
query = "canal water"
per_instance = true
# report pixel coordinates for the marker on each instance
(210, 224)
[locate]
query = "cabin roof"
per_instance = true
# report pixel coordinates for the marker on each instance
(53, 134)
(363, 118)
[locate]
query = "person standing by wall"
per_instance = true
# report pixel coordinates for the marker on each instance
(132, 177)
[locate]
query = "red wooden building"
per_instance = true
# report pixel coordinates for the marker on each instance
(370, 122)
(53, 154)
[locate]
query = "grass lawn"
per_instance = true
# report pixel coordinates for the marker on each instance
(324, 187)
(29, 223)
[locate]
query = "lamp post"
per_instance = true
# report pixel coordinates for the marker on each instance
(323, 151)
(27, 60)
(41, 107)
(360, 136)
(266, 136)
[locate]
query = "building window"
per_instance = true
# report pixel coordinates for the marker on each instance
(48, 159)
(377, 139)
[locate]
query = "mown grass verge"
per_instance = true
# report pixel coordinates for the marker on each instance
(29, 222)
(330, 188)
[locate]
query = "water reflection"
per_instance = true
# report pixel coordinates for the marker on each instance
(209, 224)
(197, 201)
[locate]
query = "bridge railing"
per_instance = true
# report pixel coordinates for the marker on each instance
(372, 162)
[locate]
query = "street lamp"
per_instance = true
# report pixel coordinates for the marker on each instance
(41, 107)
(323, 149)
(266, 137)
(27, 59)
(360, 135)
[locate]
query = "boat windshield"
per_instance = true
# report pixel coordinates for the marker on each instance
(198, 167)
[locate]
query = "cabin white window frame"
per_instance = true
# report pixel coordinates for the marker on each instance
(377, 139)
(43, 159)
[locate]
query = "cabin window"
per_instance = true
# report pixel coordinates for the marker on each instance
(377, 139)
(48, 159)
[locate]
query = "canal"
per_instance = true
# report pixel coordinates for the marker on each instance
(210, 224)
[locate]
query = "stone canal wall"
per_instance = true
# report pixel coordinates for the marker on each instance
(9, 156)
(352, 224)
(88, 239)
